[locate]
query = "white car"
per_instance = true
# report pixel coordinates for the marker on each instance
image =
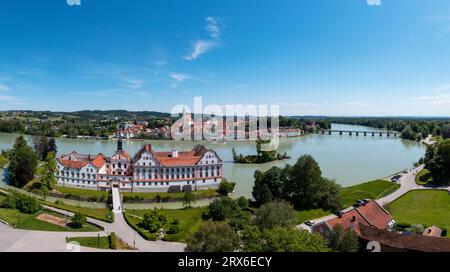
(310, 223)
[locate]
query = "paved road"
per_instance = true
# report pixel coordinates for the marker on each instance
(42, 241)
(129, 235)
(407, 183)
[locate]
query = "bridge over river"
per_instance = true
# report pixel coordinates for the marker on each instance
(361, 133)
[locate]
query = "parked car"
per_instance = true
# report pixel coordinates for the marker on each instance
(310, 223)
(356, 205)
(338, 213)
(361, 202)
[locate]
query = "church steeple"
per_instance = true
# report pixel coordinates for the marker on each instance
(120, 144)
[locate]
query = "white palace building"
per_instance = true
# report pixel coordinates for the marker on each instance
(147, 171)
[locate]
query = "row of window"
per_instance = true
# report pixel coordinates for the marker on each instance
(77, 175)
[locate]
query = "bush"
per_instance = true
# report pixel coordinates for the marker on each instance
(27, 204)
(444, 232)
(174, 229)
(113, 240)
(153, 221)
(226, 187)
(78, 220)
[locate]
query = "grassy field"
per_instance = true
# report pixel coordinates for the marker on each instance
(94, 242)
(311, 214)
(190, 220)
(424, 177)
(373, 190)
(92, 195)
(30, 222)
(157, 197)
(426, 207)
(100, 214)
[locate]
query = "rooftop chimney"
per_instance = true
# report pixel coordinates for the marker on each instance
(174, 153)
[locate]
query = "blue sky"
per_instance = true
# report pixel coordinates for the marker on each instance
(315, 57)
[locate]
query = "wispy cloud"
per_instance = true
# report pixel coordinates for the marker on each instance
(212, 26)
(134, 83)
(4, 88)
(6, 98)
(180, 78)
(201, 46)
(237, 87)
(98, 93)
(443, 99)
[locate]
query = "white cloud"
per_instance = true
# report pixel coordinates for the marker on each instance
(373, 2)
(73, 2)
(179, 77)
(134, 83)
(4, 88)
(213, 28)
(6, 98)
(443, 99)
(98, 93)
(237, 87)
(200, 47)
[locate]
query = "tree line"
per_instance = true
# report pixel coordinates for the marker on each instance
(268, 224)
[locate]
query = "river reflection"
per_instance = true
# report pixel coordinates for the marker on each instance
(348, 159)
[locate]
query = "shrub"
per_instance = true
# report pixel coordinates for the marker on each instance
(174, 229)
(113, 240)
(78, 220)
(27, 204)
(153, 221)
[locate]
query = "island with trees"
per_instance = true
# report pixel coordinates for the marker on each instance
(261, 155)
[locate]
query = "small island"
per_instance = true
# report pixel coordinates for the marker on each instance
(261, 157)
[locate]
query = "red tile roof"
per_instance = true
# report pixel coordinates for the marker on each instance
(410, 242)
(74, 164)
(349, 220)
(375, 215)
(99, 161)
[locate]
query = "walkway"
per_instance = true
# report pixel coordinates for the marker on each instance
(117, 206)
(17, 240)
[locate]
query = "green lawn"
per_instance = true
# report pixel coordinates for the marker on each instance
(100, 214)
(94, 242)
(426, 207)
(424, 177)
(92, 195)
(373, 190)
(311, 214)
(30, 222)
(190, 220)
(200, 194)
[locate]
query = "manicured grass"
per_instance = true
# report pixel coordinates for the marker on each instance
(424, 177)
(30, 222)
(162, 197)
(426, 207)
(190, 220)
(92, 195)
(311, 214)
(100, 214)
(373, 190)
(94, 242)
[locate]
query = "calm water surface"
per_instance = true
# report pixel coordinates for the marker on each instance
(347, 159)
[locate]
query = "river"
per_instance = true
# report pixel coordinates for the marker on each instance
(347, 159)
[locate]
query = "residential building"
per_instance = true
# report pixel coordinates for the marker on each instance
(371, 214)
(147, 171)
